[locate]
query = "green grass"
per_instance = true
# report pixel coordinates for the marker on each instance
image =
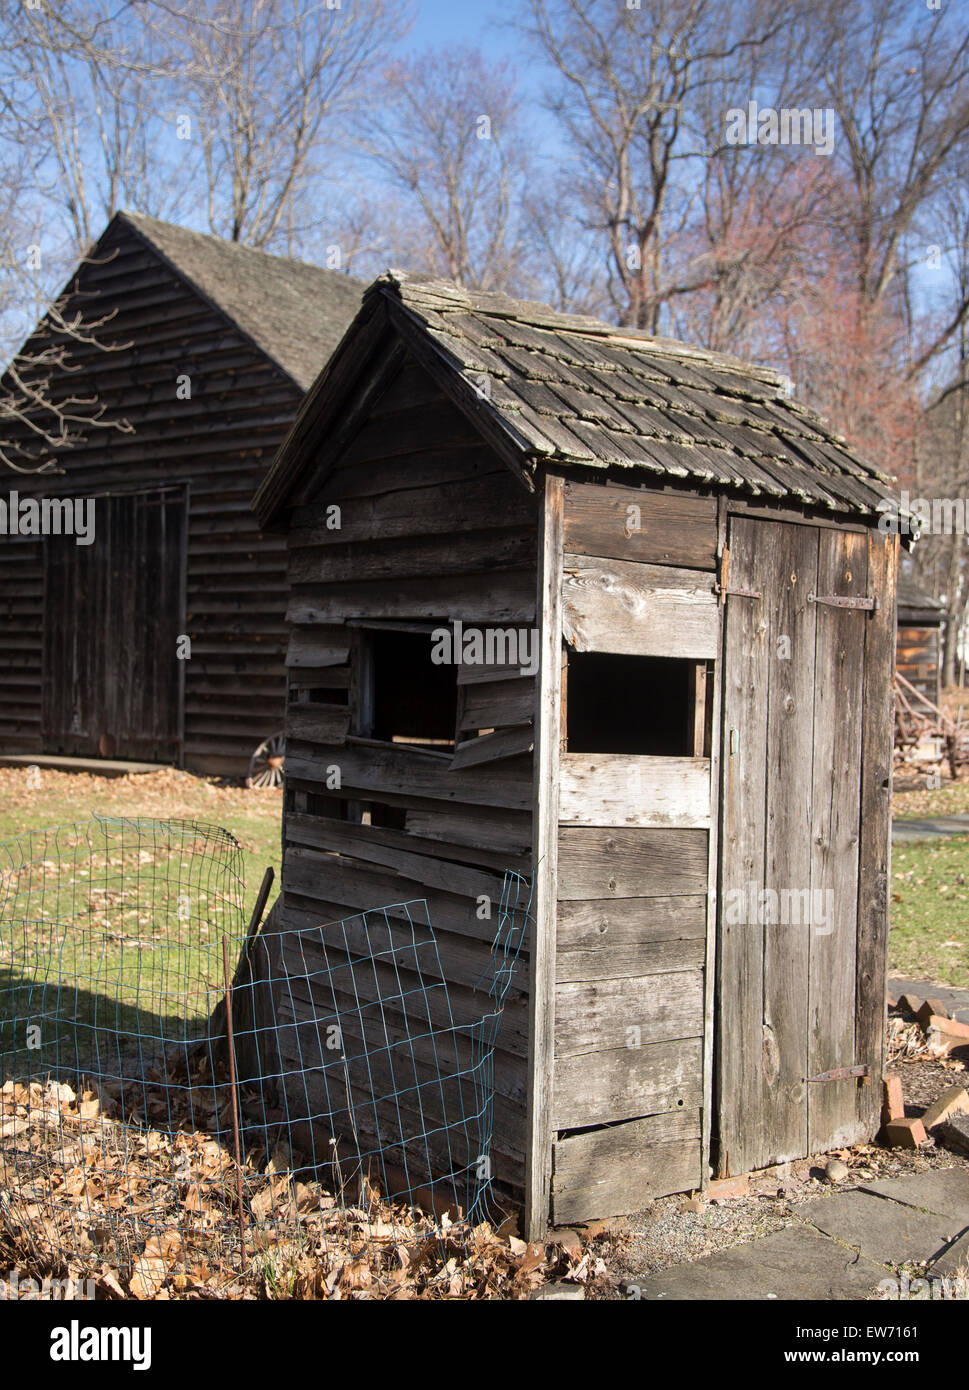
(930, 910)
(121, 953)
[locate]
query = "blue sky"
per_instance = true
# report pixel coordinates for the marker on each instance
(479, 22)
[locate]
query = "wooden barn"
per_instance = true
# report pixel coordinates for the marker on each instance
(921, 628)
(572, 599)
(207, 354)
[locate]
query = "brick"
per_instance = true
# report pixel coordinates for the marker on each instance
(950, 1025)
(723, 1188)
(893, 1101)
(911, 1003)
(951, 1102)
(903, 1134)
(930, 1007)
(943, 1034)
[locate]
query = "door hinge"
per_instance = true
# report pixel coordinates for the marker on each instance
(722, 587)
(846, 601)
(863, 1073)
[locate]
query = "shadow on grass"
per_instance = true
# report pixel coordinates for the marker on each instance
(64, 1031)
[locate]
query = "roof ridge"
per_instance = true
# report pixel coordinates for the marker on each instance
(534, 313)
(292, 311)
(547, 389)
(233, 247)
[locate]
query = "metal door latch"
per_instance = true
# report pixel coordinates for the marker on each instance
(844, 1073)
(845, 601)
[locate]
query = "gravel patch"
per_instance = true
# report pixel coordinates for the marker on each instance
(668, 1232)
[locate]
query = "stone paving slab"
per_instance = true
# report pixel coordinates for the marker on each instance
(882, 1230)
(954, 1261)
(955, 1000)
(929, 828)
(791, 1264)
(944, 1191)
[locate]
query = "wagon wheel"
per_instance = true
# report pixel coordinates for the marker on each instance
(266, 763)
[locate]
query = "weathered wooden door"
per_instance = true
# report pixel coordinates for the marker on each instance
(806, 712)
(113, 613)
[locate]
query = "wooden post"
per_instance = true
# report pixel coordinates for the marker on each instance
(235, 1105)
(713, 875)
(541, 999)
(875, 828)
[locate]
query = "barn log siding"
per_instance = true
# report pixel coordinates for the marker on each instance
(188, 314)
(918, 657)
(710, 716)
(918, 646)
(21, 643)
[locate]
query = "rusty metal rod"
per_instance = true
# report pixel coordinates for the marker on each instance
(235, 1101)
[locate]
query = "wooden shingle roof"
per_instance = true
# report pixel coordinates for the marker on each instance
(295, 312)
(574, 392)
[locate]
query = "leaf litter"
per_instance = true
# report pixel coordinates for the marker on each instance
(151, 1213)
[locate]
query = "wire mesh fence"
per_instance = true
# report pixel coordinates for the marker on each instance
(323, 1109)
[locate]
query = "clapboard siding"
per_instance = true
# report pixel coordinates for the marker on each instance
(623, 1082)
(619, 1169)
(220, 442)
(633, 869)
(415, 524)
(637, 609)
(596, 1015)
(630, 863)
(618, 789)
(633, 524)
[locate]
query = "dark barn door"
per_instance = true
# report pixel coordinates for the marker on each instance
(797, 990)
(113, 613)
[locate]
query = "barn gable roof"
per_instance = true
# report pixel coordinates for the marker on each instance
(572, 391)
(294, 312)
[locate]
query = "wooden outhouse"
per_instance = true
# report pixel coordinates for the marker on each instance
(573, 600)
(204, 353)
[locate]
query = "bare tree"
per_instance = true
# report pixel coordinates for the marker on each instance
(162, 106)
(943, 469)
(898, 81)
(266, 89)
(624, 83)
(448, 136)
(40, 414)
(84, 92)
(565, 264)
